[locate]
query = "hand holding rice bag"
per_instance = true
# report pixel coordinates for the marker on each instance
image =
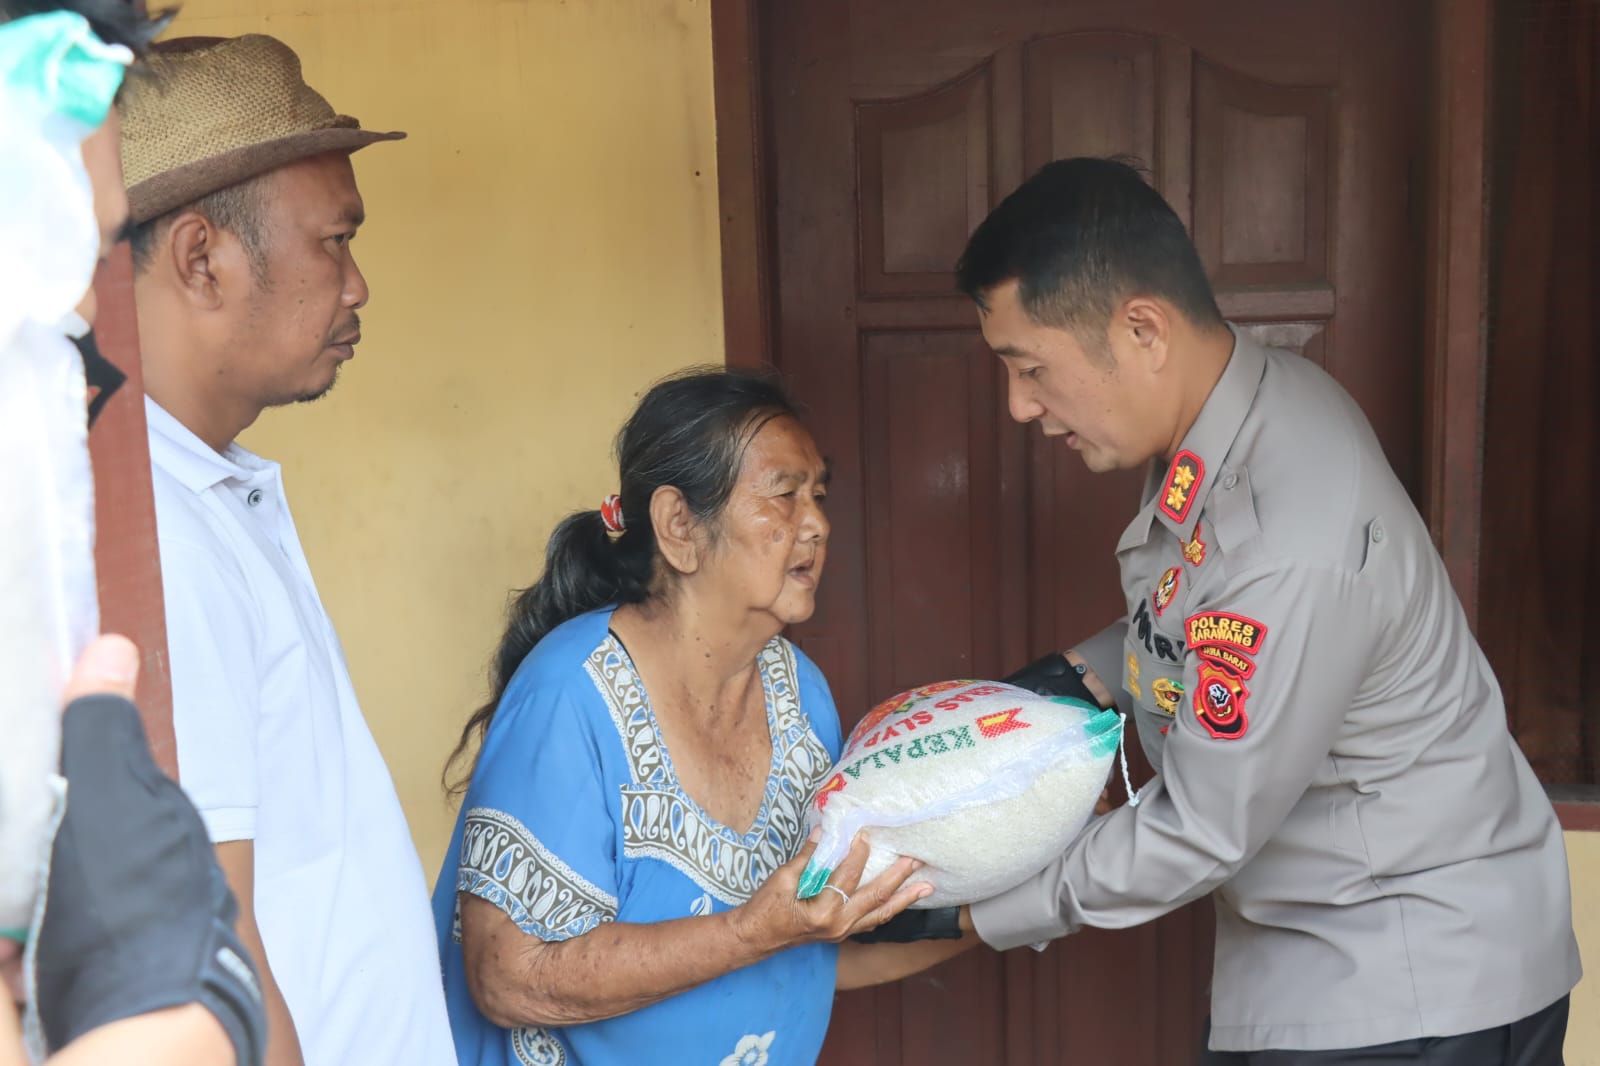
(982, 781)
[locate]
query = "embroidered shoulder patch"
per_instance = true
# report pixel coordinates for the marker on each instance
(1219, 703)
(1221, 629)
(1241, 665)
(1184, 478)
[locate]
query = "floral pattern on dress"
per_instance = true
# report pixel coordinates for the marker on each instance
(752, 1050)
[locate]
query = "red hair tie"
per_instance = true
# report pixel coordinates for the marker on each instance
(611, 513)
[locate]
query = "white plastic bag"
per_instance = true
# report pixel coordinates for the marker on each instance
(49, 243)
(984, 782)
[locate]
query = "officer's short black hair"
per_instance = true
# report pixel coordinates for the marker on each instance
(1080, 236)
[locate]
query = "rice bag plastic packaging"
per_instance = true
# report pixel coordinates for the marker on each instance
(984, 782)
(56, 84)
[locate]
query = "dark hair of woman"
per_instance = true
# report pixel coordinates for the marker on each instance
(689, 432)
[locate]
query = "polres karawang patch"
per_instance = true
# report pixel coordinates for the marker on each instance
(1222, 629)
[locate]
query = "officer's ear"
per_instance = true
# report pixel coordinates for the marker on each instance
(1146, 328)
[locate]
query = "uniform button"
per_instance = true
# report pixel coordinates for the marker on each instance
(1230, 481)
(1377, 532)
(254, 498)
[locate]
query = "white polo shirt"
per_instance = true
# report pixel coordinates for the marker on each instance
(272, 748)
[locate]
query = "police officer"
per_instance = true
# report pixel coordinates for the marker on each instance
(1332, 759)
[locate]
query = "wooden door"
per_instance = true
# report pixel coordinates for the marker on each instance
(1287, 137)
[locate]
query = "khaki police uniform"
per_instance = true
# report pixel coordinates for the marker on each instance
(1332, 757)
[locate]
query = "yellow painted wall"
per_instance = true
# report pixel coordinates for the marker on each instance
(1583, 1030)
(541, 248)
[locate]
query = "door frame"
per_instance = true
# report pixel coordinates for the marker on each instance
(1455, 283)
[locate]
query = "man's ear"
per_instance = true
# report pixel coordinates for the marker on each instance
(680, 536)
(193, 255)
(1146, 327)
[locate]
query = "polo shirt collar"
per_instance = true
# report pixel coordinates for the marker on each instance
(1176, 494)
(193, 462)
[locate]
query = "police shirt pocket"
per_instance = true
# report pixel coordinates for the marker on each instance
(1344, 824)
(1154, 685)
(1372, 550)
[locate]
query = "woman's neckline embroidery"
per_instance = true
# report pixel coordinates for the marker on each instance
(776, 761)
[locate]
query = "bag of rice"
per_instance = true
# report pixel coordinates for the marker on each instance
(984, 782)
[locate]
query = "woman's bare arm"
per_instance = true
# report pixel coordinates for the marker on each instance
(618, 967)
(862, 965)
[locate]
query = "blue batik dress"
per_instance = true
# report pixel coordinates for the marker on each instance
(575, 817)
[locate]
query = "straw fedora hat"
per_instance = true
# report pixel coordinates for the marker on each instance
(215, 111)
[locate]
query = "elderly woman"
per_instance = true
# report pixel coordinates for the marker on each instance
(621, 884)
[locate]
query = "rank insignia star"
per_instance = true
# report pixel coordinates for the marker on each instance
(1184, 478)
(1194, 549)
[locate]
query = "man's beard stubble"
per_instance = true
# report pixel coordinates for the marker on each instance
(348, 330)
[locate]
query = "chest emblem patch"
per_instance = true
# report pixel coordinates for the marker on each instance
(1166, 588)
(1194, 549)
(1168, 694)
(1184, 478)
(1219, 703)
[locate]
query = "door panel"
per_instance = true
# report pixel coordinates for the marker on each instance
(1284, 135)
(930, 529)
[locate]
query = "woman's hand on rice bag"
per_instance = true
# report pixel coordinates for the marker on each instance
(774, 919)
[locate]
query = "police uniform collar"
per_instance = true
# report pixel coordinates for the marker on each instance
(1175, 494)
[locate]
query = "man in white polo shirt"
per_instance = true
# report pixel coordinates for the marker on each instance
(241, 188)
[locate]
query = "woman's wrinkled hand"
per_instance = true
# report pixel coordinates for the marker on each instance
(774, 918)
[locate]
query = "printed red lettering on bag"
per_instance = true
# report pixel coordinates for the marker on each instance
(835, 784)
(994, 725)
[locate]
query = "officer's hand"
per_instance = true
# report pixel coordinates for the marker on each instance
(935, 923)
(138, 916)
(1058, 675)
